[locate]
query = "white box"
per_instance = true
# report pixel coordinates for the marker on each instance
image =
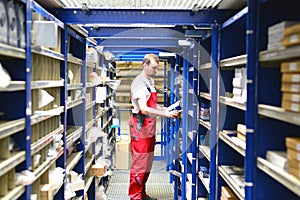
(4, 26)
(45, 33)
(279, 27)
(92, 56)
(278, 158)
(122, 156)
(273, 46)
(12, 23)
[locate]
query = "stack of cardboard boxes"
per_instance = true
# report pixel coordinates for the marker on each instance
(241, 132)
(291, 35)
(227, 194)
(290, 70)
(293, 155)
(122, 158)
(276, 34)
(239, 85)
(290, 86)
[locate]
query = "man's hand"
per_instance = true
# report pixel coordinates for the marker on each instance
(174, 114)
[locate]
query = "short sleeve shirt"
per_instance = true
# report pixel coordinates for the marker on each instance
(139, 89)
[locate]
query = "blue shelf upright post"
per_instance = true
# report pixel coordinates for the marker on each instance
(63, 93)
(165, 122)
(172, 121)
(28, 92)
(251, 105)
(184, 123)
(194, 119)
(214, 111)
(176, 179)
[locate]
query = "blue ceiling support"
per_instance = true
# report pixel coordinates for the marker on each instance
(114, 39)
(139, 43)
(122, 32)
(148, 16)
(236, 17)
(46, 14)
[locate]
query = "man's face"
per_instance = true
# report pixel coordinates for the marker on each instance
(152, 68)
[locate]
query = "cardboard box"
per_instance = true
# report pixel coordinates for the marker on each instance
(46, 192)
(290, 106)
(291, 97)
(289, 67)
(92, 56)
(242, 129)
(293, 164)
(278, 158)
(290, 87)
(45, 33)
(290, 78)
(280, 27)
(294, 171)
(98, 170)
(292, 29)
(122, 156)
(275, 45)
(275, 38)
(241, 136)
(227, 193)
(293, 143)
(292, 154)
(291, 40)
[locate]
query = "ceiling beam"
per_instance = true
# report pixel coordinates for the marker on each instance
(104, 32)
(148, 16)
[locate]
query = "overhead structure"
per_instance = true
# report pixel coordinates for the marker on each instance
(134, 26)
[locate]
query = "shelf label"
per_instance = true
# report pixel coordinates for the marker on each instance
(294, 88)
(294, 38)
(293, 66)
(294, 107)
(295, 78)
(295, 97)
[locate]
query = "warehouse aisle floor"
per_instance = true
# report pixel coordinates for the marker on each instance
(157, 186)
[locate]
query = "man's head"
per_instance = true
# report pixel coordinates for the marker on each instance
(150, 64)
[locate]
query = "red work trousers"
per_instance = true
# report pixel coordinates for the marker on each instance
(142, 152)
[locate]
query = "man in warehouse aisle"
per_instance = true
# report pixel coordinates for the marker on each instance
(143, 126)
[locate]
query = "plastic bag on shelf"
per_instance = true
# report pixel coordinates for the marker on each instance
(114, 84)
(56, 177)
(103, 161)
(94, 78)
(100, 195)
(44, 98)
(69, 193)
(70, 76)
(5, 78)
(25, 177)
(52, 153)
(57, 141)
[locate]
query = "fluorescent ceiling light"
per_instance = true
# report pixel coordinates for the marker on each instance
(142, 4)
(139, 25)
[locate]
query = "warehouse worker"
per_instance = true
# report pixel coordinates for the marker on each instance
(143, 127)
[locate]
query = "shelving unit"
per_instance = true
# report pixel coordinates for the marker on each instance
(33, 128)
(259, 113)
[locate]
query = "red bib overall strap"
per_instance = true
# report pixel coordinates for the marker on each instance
(142, 151)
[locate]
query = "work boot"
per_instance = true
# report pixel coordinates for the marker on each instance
(147, 197)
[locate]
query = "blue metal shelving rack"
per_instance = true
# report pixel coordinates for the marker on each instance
(73, 41)
(244, 48)
(214, 122)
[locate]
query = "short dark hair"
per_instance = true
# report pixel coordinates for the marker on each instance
(148, 57)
